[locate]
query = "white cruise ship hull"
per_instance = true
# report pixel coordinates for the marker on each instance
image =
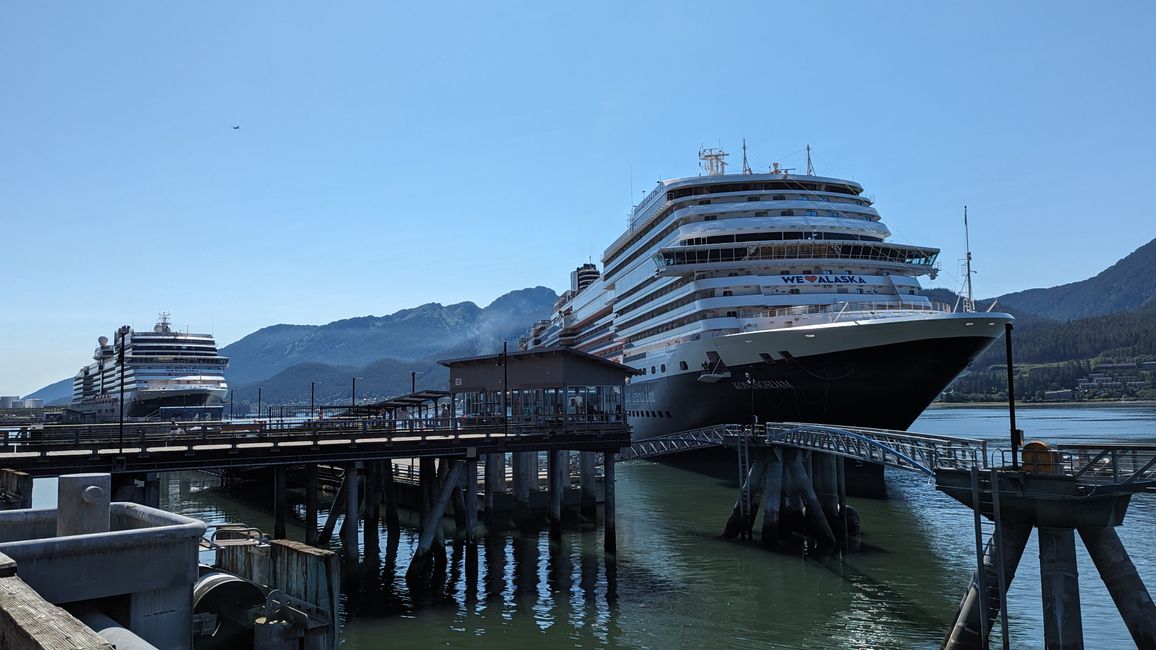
(874, 373)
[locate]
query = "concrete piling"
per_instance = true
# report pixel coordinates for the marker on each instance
(495, 485)
(772, 496)
(826, 481)
(520, 464)
(967, 631)
(1060, 586)
(801, 486)
(389, 488)
(84, 503)
(1123, 582)
(736, 524)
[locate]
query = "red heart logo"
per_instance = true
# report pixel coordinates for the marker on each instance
(811, 278)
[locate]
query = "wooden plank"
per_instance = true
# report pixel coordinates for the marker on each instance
(28, 622)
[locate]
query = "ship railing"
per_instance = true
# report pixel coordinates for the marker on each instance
(848, 310)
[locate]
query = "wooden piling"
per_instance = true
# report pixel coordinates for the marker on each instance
(335, 510)
(431, 527)
(471, 495)
(610, 543)
(520, 462)
(278, 502)
(389, 487)
(555, 477)
(349, 530)
(802, 486)
(312, 575)
(495, 485)
(311, 504)
(588, 502)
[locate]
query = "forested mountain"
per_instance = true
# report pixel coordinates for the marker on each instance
(424, 332)
(1127, 284)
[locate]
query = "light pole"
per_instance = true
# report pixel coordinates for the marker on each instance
(232, 395)
(312, 400)
(353, 397)
(258, 402)
(412, 381)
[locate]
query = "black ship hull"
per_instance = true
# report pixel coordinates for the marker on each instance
(885, 386)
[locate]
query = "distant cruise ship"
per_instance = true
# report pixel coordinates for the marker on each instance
(166, 374)
(773, 296)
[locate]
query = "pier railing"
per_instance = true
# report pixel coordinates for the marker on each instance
(913, 451)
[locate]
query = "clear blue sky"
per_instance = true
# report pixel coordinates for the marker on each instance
(392, 154)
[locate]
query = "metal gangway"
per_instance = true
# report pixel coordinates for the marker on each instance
(921, 452)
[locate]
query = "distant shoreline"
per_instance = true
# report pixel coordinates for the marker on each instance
(1130, 402)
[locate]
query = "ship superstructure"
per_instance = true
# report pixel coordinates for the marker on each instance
(770, 296)
(165, 374)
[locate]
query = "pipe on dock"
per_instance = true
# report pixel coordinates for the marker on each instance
(1123, 583)
(1060, 587)
(109, 630)
(966, 632)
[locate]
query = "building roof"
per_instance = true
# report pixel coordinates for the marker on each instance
(494, 359)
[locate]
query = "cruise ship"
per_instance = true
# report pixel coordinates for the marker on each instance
(166, 374)
(766, 297)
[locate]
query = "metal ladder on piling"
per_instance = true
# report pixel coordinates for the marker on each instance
(743, 449)
(985, 497)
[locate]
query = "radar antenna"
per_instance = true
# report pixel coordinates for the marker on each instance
(746, 167)
(810, 167)
(713, 161)
(163, 323)
(969, 301)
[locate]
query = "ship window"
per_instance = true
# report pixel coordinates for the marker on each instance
(668, 414)
(727, 292)
(754, 198)
(732, 314)
(811, 213)
(662, 367)
(710, 217)
(787, 213)
(779, 197)
(707, 202)
(794, 291)
(682, 365)
(652, 370)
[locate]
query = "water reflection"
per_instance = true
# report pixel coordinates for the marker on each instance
(675, 584)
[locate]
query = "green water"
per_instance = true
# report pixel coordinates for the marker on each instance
(676, 585)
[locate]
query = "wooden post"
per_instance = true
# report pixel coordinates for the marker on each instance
(372, 508)
(427, 485)
(495, 485)
(311, 504)
(520, 461)
(312, 575)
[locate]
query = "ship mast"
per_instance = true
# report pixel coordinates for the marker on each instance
(810, 167)
(713, 161)
(746, 167)
(969, 301)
